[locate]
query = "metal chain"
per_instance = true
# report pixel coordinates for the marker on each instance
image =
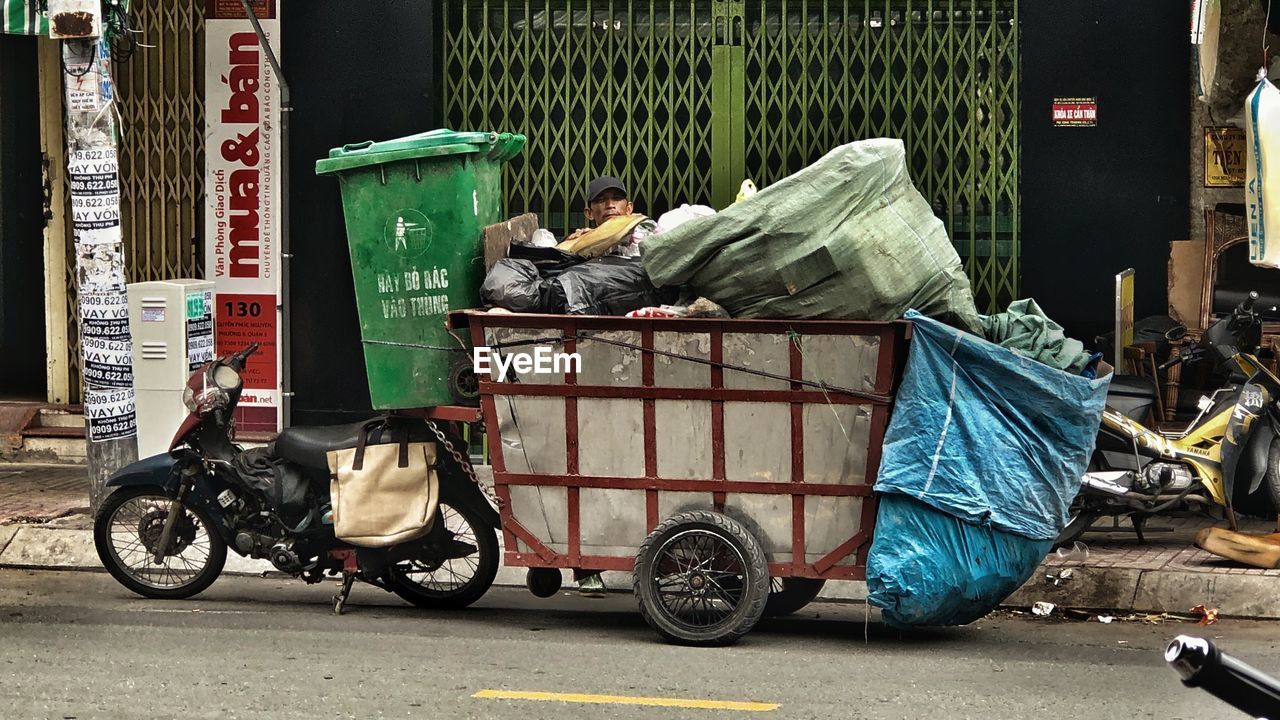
(465, 464)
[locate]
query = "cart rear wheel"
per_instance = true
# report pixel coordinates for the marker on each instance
(789, 595)
(701, 579)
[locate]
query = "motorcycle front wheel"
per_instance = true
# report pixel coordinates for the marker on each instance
(1082, 513)
(127, 530)
(1079, 522)
(451, 583)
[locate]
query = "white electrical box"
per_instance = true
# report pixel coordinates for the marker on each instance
(172, 326)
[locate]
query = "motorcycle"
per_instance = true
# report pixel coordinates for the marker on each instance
(1226, 457)
(164, 529)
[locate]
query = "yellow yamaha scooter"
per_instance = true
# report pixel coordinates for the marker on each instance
(1226, 457)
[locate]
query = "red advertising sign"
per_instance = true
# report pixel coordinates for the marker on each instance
(1075, 112)
(242, 320)
(242, 200)
(233, 10)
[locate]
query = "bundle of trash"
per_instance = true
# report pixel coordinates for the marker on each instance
(593, 272)
(848, 237)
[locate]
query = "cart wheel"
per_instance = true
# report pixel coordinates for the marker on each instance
(701, 579)
(789, 595)
(543, 582)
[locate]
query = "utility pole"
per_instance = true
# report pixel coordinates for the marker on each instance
(94, 173)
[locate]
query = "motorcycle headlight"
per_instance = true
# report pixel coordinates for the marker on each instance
(226, 378)
(210, 388)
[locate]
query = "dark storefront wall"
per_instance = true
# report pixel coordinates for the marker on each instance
(1098, 200)
(366, 75)
(22, 351)
(1094, 200)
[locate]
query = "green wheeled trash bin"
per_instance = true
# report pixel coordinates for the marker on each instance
(415, 212)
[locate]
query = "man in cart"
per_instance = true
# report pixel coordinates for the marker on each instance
(612, 221)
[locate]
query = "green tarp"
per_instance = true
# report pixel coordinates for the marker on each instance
(848, 237)
(1026, 330)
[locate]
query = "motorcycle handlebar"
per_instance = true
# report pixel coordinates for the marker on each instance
(1246, 305)
(1201, 664)
(238, 359)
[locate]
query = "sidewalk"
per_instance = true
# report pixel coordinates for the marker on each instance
(44, 523)
(1166, 574)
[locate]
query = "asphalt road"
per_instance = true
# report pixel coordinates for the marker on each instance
(77, 645)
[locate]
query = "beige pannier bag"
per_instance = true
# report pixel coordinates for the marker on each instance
(383, 494)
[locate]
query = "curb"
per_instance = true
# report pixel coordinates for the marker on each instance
(1151, 591)
(1119, 590)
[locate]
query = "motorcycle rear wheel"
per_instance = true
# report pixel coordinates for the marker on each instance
(1272, 478)
(457, 582)
(127, 529)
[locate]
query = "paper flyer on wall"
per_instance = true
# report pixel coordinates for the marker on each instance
(104, 315)
(110, 413)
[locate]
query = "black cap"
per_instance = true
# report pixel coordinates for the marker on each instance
(602, 183)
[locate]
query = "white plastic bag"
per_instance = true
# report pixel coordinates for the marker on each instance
(1262, 187)
(673, 219)
(541, 239)
(630, 245)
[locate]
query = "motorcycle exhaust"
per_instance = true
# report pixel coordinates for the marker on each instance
(1108, 483)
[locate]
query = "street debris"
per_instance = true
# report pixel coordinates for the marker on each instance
(1078, 551)
(1106, 619)
(1208, 616)
(1059, 577)
(1043, 609)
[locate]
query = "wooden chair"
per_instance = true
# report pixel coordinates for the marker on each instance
(1140, 360)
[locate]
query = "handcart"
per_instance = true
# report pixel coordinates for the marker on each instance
(727, 464)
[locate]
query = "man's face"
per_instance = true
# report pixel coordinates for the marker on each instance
(608, 204)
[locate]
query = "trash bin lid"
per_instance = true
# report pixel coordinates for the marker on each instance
(436, 143)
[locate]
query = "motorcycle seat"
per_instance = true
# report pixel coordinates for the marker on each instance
(1132, 396)
(308, 446)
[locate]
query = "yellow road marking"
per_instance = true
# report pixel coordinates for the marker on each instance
(627, 700)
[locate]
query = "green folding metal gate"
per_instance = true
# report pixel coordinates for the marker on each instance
(685, 100)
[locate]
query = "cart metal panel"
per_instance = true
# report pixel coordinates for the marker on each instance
(667, 415)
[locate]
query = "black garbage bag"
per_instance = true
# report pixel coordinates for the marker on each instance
(609, 285)
(515, 285)
(549, 261)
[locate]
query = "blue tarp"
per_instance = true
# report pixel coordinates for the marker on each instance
(988, 435)
(981, 460)
(928, 568)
